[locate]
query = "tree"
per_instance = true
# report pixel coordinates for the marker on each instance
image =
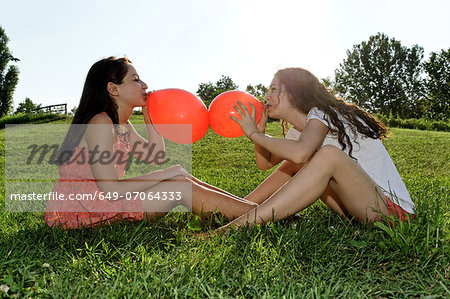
(27, 106)
(208, 91)
(383, 76)
(328, 82)
(259, 91)
(437, 85)
(8, 78)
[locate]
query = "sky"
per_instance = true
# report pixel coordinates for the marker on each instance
(182, 43)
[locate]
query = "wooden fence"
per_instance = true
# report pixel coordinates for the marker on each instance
(60, 108)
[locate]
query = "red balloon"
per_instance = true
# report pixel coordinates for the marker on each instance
(223, 106)
(173, 110)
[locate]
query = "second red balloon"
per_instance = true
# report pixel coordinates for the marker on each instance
(223, 106)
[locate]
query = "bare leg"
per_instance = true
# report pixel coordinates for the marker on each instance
(274, 182)
(357, 192)
(330, 198)
(206, 185)
(283, 174)
(197, 197)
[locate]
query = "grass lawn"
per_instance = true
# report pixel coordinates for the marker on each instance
(317, 254)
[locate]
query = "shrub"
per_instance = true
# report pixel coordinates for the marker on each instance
(415, 123)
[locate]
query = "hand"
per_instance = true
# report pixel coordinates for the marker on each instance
(151, 130)
(147, 118)
(247, 121)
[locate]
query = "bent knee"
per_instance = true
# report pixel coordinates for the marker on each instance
(329, 157)
(328, 153)
(329, 150)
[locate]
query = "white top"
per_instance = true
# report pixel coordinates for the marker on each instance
(371, 155)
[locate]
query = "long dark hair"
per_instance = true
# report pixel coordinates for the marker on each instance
(306, 92)
(94, 99)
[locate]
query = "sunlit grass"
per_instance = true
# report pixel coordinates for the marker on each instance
(315, 255)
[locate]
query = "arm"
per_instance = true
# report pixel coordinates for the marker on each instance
(264, 159)
(100, 141)
(148, 151)
(294, 151)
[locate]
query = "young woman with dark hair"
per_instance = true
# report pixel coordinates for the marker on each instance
(333, 152)
(101, 128)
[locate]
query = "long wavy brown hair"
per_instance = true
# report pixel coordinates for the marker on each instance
(306, 92)
(95, 99)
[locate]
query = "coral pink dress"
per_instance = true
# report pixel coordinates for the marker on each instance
(77, 181)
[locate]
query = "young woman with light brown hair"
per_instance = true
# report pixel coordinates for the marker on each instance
(333, 152)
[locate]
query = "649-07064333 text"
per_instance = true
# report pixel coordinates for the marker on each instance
(154, 196)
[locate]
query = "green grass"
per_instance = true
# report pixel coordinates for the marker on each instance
(317, 254)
